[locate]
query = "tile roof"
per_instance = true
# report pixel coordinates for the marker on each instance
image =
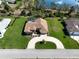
(38, 23)
(72, 24)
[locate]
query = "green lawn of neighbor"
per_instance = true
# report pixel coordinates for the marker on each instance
(56, 30)
(13, 37)
(47, 45)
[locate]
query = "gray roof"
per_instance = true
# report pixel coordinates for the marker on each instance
(72, 24)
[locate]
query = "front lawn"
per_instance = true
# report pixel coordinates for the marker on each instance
(47, 45)
(56, 30)
(13, 37)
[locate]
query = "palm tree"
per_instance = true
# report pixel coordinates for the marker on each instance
(7, 8)
(71, 10)
(43, 42)
(53, 5)
(65, 7)
(40, 4)
(36, 4)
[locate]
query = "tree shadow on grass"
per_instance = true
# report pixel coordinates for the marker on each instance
(23, 33)
(65, 29)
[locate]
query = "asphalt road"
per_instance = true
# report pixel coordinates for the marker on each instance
(14, 53)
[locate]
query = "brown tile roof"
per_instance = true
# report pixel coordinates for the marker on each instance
(38, 23)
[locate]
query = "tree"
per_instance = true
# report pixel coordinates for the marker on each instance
(53, 5)
(40, 4)
(8, 10)
(71, 10)
(43, 42)
(65, 7)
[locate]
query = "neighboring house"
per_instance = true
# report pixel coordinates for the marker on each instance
(0, 2)
(38, 26)
(18, 12)
(72, 25)
(3, 26)
(11, 1)
(1, 6)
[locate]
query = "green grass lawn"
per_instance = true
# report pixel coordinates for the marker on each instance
(47, 45)
(56, 30)
(18, 4)
(13, 37)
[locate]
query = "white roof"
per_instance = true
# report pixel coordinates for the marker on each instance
(4, 23)
(0, 2)
(12, 1)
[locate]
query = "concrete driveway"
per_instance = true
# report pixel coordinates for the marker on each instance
(33, 41)
(3, 32)
(76, 38)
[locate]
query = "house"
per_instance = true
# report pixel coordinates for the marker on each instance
(9, 1)
(72, 25)
(3, 26)
(1, 6)
(0, 2)
(18, 12)
(38, 26)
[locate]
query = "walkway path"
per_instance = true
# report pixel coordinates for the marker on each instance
(31, 44)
